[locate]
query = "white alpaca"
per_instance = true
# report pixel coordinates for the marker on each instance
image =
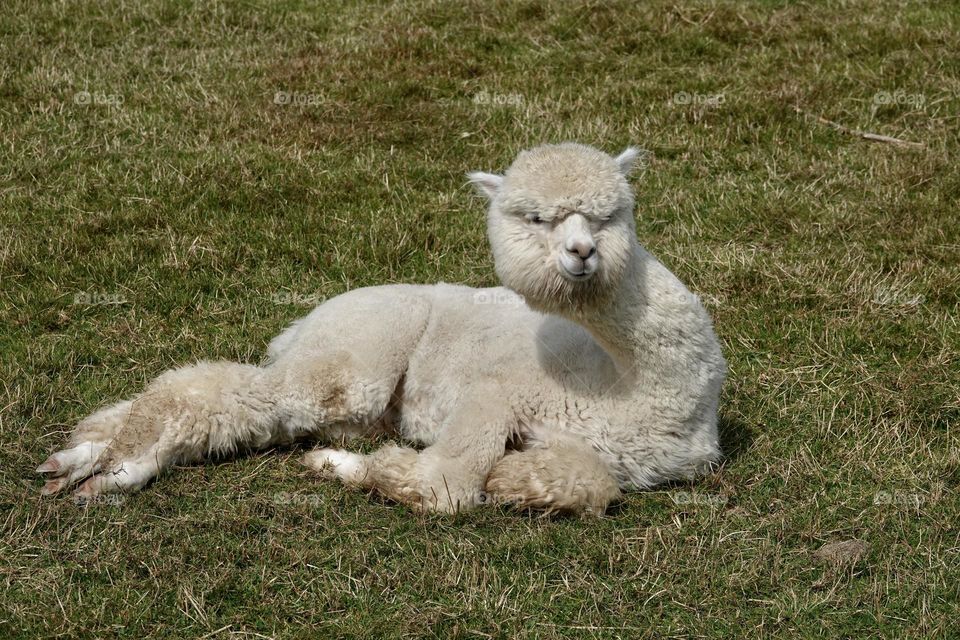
(603, 374)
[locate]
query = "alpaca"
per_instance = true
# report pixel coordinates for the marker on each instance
(592, 371)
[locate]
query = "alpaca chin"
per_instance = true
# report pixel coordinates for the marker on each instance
(550, 292)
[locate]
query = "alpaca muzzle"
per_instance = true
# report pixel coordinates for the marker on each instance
(578, 258)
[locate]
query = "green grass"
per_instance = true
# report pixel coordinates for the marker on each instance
(175, 211)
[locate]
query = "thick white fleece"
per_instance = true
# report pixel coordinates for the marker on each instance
(594, 370)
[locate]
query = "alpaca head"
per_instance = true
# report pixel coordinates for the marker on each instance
(561, 225)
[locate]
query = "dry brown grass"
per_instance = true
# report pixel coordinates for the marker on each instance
(198, 217)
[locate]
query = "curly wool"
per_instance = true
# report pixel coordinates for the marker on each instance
(593, 372)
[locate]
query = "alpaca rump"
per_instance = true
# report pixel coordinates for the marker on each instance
(593, 362)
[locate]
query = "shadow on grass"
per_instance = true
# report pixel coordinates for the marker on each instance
(736, 436)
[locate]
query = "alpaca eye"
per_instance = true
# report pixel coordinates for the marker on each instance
(536, 219)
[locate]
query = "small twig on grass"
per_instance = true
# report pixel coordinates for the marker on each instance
(866, 135)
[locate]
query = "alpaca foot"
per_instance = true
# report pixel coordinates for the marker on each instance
(445, 488)
(92, 436)
(125, 477)
(100, 471)
(122, 455)
(349, 468)
(66, 468)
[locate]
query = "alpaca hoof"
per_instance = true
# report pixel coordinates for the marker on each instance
(51, 487)
(49, 466)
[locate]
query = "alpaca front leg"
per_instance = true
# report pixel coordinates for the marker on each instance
(185, 415)
(566, 477)
(448, 476)
(423, 480)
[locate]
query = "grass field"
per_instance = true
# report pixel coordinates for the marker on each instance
(179, 180)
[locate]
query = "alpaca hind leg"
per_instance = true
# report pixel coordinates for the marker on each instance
(340, 364)
(184, 415)
(563, 477)
(213, 409)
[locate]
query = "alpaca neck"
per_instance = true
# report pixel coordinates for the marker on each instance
(619, 324)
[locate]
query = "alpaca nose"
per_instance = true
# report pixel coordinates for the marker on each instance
(582, 248)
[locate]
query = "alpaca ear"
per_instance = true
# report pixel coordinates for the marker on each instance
(626, 160)
(487, 184)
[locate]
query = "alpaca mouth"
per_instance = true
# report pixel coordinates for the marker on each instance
(577, 269)
(581, 276)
